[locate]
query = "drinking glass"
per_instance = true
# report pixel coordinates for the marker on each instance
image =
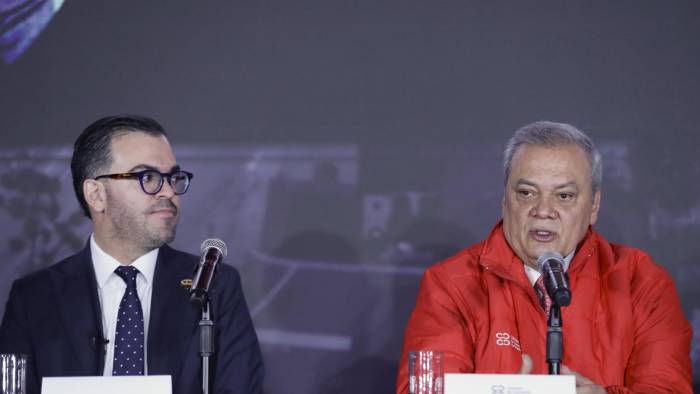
(14, 373)
(425, 373)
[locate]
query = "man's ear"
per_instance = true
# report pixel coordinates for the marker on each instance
(95, 195)
(596, 207)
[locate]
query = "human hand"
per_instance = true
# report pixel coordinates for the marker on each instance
(583, 384)
(526, 366)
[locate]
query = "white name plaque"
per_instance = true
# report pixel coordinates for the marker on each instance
(463, 383)
(152, 384)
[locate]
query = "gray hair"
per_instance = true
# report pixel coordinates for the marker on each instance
(552, 134)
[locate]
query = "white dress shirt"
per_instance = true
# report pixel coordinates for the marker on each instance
(111, 288)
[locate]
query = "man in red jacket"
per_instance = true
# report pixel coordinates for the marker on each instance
(624, 331)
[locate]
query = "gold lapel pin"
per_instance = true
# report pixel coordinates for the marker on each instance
(186, 284)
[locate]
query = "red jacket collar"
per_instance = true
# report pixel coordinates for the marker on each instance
(498, 256)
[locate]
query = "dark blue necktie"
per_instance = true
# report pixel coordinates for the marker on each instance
(128, 341)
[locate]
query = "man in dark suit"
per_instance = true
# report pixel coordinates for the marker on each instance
(119, 306)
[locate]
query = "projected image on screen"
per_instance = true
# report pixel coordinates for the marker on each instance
(21, 22)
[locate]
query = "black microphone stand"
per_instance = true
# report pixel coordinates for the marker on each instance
(206, 344)
(555, 339)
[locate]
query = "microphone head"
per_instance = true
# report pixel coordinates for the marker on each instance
(214, 243)
(546, 256)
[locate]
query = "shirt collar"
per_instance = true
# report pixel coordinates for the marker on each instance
(105, 264)
(533, 274)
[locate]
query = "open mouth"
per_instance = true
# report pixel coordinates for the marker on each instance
(543, 235)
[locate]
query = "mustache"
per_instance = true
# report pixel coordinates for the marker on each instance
(163, 204)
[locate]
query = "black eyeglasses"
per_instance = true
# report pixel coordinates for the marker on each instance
(152, 181)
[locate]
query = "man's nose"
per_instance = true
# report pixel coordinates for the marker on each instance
(166, 191)
(544, 208)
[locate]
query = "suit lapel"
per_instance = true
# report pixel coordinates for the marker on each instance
(80, 311)
(173, 318)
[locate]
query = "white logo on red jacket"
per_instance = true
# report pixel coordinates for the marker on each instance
(505, 339)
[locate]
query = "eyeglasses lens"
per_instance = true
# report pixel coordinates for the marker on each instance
(151, 181)
(179, 181)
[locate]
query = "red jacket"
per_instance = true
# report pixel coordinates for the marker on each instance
(624, 329)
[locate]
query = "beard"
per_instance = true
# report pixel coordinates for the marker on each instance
(139, 230)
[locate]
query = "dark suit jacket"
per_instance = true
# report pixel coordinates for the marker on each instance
(54, 317)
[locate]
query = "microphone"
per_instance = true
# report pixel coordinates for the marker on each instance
(556, 281)
(213, 252)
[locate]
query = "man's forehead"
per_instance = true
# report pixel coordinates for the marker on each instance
(142, 149)
(542, 155)
(559, 164)
(569, 148)
(127, 135)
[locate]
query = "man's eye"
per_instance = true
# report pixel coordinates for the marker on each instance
(148, 177)
(524, 193)
(566, 196)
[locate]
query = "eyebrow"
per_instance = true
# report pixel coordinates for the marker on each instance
(568, 184)
(522, 181)
(140, 167)
(525, 182)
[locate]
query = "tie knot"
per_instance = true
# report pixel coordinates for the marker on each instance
(540, 284)
(128, 273)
